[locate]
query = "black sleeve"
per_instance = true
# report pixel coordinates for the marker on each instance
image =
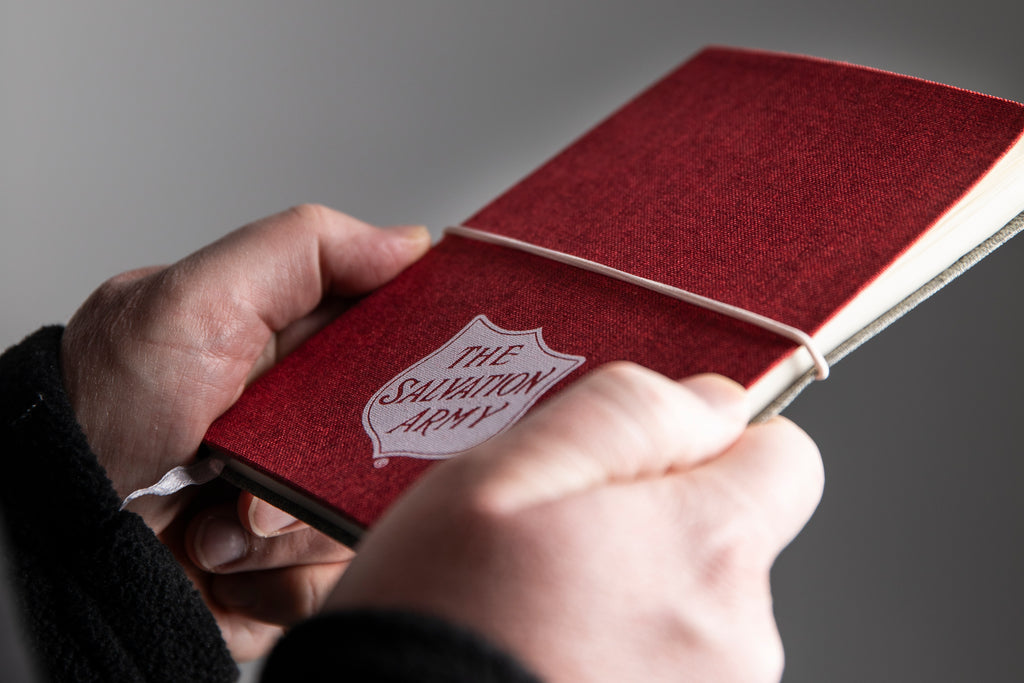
(378, 646)
(101, 599)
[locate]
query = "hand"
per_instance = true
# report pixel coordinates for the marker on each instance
(155, 355)
(622, 532)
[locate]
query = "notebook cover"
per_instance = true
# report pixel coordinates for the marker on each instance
(779, 184)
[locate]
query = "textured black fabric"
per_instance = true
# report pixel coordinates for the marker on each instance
(378, 646)
(101, 598)
(15, 666)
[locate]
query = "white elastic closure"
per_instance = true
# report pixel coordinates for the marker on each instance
(764, 322)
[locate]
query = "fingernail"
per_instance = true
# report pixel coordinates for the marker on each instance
(267, 520)
(219, 542)
(411, 233)
(721, 393)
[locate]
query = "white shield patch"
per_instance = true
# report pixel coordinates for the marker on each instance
(480, 382)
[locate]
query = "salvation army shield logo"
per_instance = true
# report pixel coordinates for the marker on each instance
(480, 382)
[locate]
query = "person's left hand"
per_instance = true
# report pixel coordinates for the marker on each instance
(154, 356)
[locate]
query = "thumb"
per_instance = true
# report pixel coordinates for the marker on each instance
(621, 423)
(279, 268)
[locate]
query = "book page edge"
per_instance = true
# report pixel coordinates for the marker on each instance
(959, 267)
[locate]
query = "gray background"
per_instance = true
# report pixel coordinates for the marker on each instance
(133, 133)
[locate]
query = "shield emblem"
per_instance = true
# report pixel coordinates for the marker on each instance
(477, 384)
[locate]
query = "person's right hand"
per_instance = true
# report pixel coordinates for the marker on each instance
(622, 532)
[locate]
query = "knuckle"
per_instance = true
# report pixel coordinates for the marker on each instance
(735, 558)
(667, 418)
(481, 499)
(796, 439)
(733, 537)
(802, 458)
(618, 377)
(312, 596)
(807, 451)
(295, 597)
(310, 213)
(738, 629)
(733, 555)
(110, 311)
(112, 293)
(766, 656)
(739, 635)
(214, 321)
(317, 582)
(114, 286)
(632, 394)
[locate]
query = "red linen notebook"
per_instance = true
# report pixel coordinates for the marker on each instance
(825, 196)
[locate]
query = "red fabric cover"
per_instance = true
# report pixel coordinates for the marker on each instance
(780, 184)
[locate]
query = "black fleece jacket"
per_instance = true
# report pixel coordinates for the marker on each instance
(90, 594)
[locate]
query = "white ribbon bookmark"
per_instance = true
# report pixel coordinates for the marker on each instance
(199, 472)
(764, 322)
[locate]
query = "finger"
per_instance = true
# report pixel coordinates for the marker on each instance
(773, 478)
(217, 542)
(262, 519)
(620, 423)
(280, 596)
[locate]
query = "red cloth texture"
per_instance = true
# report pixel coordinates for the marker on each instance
(779, 184)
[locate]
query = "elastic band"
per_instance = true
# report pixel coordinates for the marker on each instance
(781, 329)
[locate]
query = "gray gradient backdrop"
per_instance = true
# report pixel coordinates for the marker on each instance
(133, 133)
